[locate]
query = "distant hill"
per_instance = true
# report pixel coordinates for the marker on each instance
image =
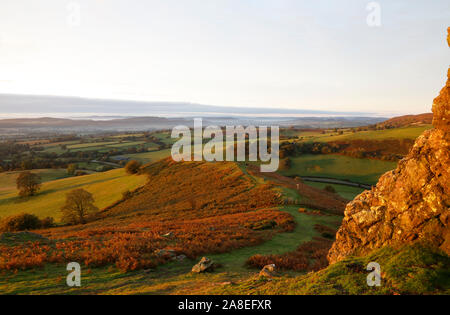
(47, 123)
(407, 120)
(92, 125)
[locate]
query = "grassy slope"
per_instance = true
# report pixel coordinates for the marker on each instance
(8, 179)
(173, 278)
(106, 187)
(280, 243)
(170, 278)
(411, 269)
(339, 166)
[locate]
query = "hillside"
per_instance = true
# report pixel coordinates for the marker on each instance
(106, 188)
(408, 270)
(204, 207)
(407, 120)
(185, 210)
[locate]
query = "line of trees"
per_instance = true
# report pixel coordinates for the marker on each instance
(387, 149)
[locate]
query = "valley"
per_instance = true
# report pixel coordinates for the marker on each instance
(146, 241)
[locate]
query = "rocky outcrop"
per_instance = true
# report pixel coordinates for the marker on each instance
(268, 271)
(205, 264)
(408, 204)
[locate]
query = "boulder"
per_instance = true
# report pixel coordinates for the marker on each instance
(268, 271)
(205, 264)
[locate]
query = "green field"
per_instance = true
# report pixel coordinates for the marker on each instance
(125, 144)
(165, 137)
(8, 179)
(147, 157)
(89, 145)
(397, 133)
(106, 188)
(344, 191)
(338, 166)
(102, 145)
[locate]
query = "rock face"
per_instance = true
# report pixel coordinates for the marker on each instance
(410, 203)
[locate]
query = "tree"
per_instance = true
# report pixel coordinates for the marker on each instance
(132, 167)
(28, 184)
(71, 168)
(26, 165)
(79, 207)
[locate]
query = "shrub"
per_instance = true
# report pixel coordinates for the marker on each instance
(309, 256)
(47, 222)
(262, 225)
(20, 222)
(285, 164)
(330, 189)
(71, 168)
(126, 195)
(325, 231)
(133, 167)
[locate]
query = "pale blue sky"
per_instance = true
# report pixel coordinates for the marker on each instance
(318, 55)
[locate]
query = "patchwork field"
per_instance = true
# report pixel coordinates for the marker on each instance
(148, 157)
(106, 188)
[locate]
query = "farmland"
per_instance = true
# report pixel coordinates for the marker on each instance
(408, 132)
(106, 187)
(148, 157)
(337, 166)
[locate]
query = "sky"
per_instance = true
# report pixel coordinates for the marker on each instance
(316, 55)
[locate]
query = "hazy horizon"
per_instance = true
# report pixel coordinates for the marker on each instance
(38, 106)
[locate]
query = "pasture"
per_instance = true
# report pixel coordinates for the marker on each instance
(338, 166)
(106, 188)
